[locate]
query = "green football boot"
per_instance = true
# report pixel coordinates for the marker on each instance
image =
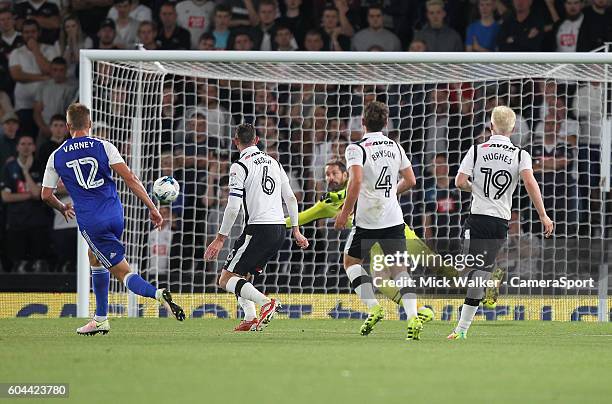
(376, 314)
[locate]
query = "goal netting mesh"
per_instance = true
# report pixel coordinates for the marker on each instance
(177, 118)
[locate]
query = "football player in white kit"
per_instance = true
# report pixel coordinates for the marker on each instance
(375, 164)
(494, 168)
(259, 184)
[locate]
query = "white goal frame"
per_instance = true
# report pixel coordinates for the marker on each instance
(88, 57)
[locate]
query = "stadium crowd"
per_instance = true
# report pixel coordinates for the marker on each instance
(39, 53)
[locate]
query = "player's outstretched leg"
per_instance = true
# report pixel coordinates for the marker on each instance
(242, 288)
(362, 284)
(409, 301)
(470, 305)
(100, 279)
(249, 323)
(134, 283)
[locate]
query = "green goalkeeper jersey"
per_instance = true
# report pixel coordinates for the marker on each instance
(331, 203)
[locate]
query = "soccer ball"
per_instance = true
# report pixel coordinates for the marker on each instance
(166, 189)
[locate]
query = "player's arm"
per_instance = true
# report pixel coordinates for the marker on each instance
(466, 169)
(352, 192)
(462, 181)
(407, 182)
(408, 179)
(355, 158)
(533, 189)
(135, 185)
(47, 193)
(292, 207)
(232, 209)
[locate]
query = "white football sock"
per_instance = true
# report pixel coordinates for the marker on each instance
(364, 290)
(247, 291)
(409, 299)
(250, 312)
(467, 315)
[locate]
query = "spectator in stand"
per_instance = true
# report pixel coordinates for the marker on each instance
(314, 41)
(574, 33)
(8, 139)
(219, 120)
(243, 41)
(106, 35)
(90, 13)
(207, 42)
(438, 36)
(338, 29)
(28, 218)
(58, 133)
(553, 169)
(171, 36)
(125, 26)
(482, 34)
(263, 32)
(196, 16)
(522, 30)
(147, 35)
(6, 106)
(10, 39)
(64, 235)
(597, 26)
(417, 46)
(375, 34)
(442, 218)
(138, 12)
(45, 13)
(283, 39)
(30, 66)
(223, 17)
(72, 39)
(294, 19)
(53, 97)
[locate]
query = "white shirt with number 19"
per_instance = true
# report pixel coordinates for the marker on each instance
(495, 173)
(382, 159)
(257, 178)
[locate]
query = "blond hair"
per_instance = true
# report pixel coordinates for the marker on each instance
(77, 116)
(503, 119)
(433, 3)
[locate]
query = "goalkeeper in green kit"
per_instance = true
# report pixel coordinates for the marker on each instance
(330, 205)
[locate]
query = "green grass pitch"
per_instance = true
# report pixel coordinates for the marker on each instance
(310, 361)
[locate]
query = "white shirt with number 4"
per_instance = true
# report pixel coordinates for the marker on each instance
(495, 175)
(382, 159)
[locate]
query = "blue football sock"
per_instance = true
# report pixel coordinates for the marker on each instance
(136, 284)
(100, 279)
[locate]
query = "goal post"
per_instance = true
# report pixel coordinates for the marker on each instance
(306, 107)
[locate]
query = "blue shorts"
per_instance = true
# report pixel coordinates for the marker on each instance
(104, 240)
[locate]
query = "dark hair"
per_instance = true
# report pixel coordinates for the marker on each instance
(205, 36)
(267, 3)
(329, 8)
(337, 163)
(58, 117)
(151, 24)
(168, 4)
(223, 8)
(314, 31)
(7, 10)
(59, 61)
(375, 116)
(245, 133)
(30, 21)
(281, 26)
(375, 7)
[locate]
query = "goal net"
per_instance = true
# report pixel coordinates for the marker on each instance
(174, 114)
